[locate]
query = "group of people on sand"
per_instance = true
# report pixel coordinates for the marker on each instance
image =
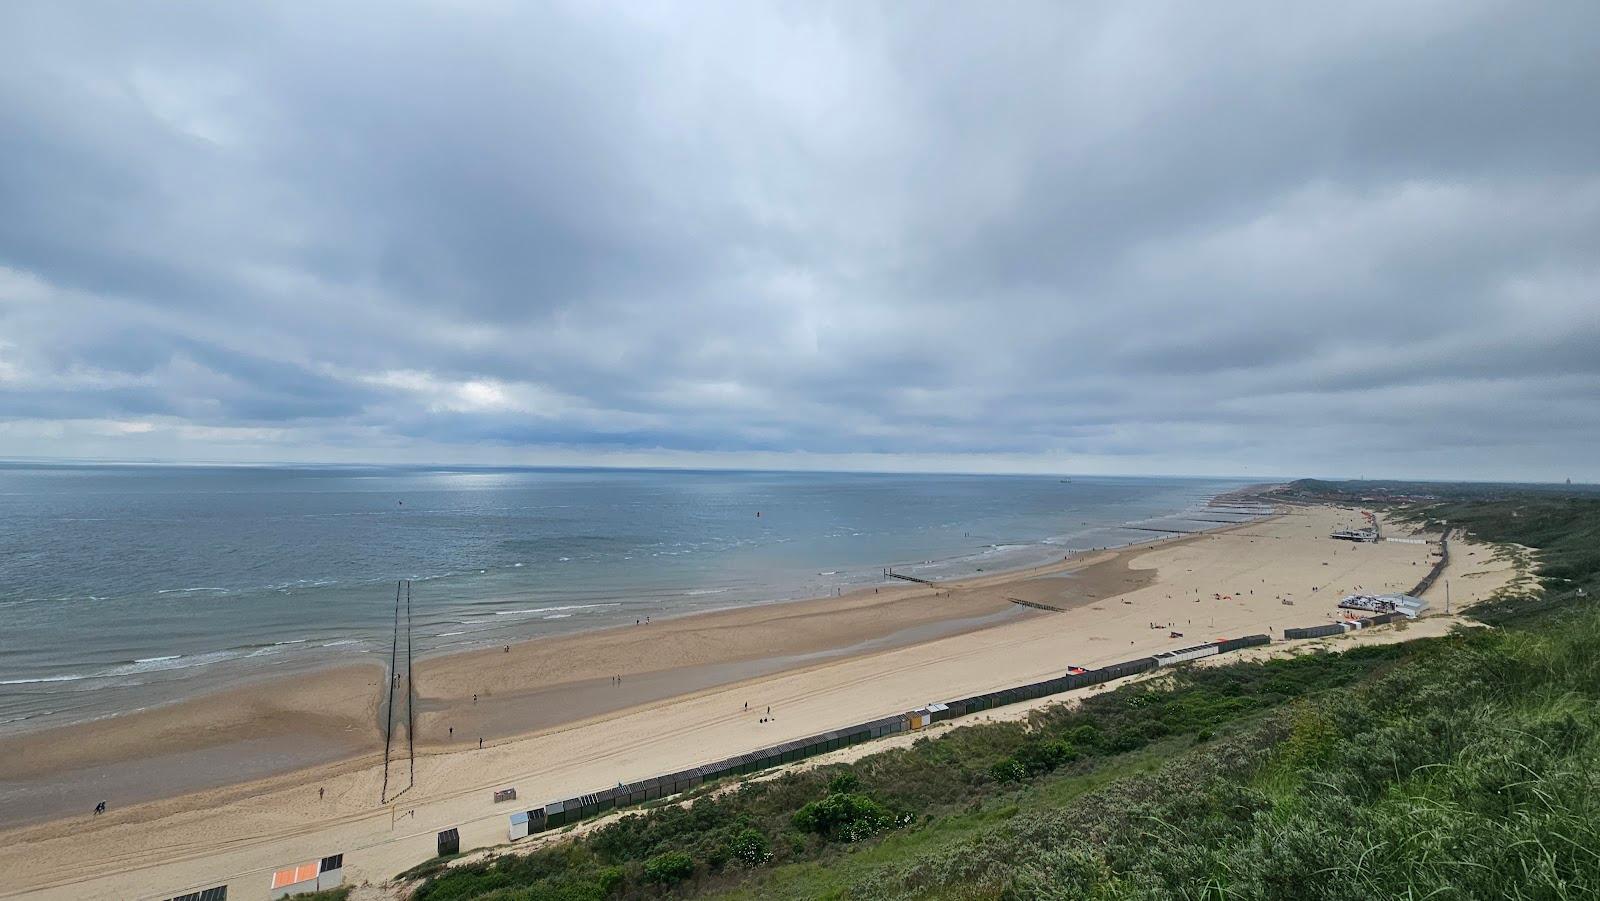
(765, 719)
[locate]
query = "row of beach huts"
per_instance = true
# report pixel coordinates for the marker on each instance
(571, 810)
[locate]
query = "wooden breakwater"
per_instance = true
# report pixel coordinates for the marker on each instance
(1035, 605)
(1438, 566)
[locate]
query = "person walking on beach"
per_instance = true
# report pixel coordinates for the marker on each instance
(100, 808)
(480, 743)
(320, 790)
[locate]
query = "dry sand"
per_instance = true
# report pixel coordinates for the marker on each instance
(839, 661)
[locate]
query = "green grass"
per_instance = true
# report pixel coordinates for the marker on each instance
(1469, 771)
(831, 876)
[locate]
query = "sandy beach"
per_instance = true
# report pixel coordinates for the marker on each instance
(225, 788)
(336, 715)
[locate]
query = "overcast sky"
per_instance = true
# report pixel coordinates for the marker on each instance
(1212, 238)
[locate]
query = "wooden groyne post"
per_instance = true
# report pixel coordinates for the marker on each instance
(894, 575)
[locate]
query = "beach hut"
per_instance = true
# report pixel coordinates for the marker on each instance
(1184, 655)
(1314, 631)
(1125, 668)
(1248, 641)
(518, 828)
(450, 842)
(634, 792)
(220, 893)
(556, 813)
(330, 872)
(315, 876)
(917, 719)
(682, 781)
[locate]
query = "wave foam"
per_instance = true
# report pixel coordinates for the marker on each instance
(552, 609)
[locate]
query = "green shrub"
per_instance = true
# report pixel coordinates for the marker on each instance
(607, 879)
(669, 868)
(1043, 756)
(750, 847)
(844, 817)
(1007, 769)
(1311, 738)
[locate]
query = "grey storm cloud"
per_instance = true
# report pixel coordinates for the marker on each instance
(1224, 238)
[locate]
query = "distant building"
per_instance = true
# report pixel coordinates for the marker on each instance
(1385, 603)
(1354, 534)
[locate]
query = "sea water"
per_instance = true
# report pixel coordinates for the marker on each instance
(127, 586)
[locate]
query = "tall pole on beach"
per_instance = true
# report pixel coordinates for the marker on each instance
(411, 732)
(388, 726)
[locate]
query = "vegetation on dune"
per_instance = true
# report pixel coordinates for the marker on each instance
(814, 815)
(1469, 771)
(1455, 767)
(1566, 532)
